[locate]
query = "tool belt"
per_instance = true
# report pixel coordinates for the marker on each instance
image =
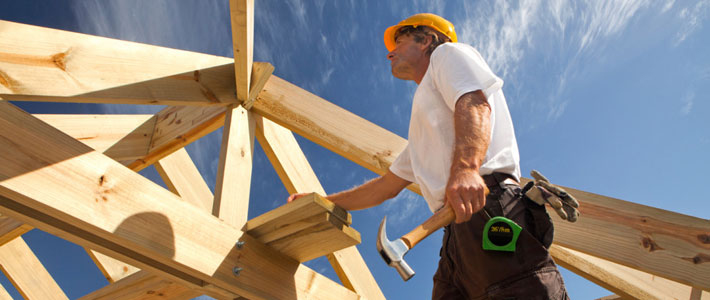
(499, 180)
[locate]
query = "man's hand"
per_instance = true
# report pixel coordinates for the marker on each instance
(465, 193)
(295, 196)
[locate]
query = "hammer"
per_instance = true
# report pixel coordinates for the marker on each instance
(393, 251)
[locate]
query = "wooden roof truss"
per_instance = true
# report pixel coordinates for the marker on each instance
(75, 176)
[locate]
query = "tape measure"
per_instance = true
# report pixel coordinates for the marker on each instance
(500, 234)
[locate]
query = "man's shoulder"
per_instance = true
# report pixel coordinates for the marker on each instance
(454, 49)
(449, 47)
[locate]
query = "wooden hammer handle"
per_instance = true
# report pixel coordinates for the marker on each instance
(441, 218)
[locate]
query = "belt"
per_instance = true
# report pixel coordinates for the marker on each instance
(499, 180)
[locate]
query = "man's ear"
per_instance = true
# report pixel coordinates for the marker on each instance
(428, 40)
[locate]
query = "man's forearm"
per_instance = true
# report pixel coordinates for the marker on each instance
(371, 193)
(472, 131)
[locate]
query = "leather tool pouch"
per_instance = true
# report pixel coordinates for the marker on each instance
(540, 223)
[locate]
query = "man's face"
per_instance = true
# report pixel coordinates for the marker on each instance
(406, 57)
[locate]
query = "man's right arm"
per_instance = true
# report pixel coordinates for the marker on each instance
(369, 194)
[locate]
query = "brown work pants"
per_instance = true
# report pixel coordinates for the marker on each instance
(466, 271)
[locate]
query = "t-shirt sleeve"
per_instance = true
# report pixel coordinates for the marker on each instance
(458, 70)
(402, 166)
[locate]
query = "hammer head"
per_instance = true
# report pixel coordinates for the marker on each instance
(393, 252)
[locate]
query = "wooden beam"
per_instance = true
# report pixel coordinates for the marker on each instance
(304, 229)
(296, 173)
(231, 201)
(10, 229)
(42, 64)
(184, 179)
(624, 281)
(27, 273)
(176, 127)
(112, 269)
(656, 241)
(284, 153)
(91, 200)
(298, 230)
(4, 295)
(142, 285)
(242, 18)
(127, 136)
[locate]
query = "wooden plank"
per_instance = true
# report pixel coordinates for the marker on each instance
(112, 269)
(284, 153)
(127, 136)
(328, 125)
(184, 179)
(624, 281)
(143, 285)
(27, 273)
(11, 229)
(296, 173)
(659, 242)
(42, 64)
(242, 18)
(89, 199)
(4, 295)
(304, 229)
(231, 200)
(260, 74)
(176, 127)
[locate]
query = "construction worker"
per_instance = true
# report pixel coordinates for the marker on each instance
(461, 140)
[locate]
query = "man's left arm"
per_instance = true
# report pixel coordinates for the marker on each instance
(465, 188)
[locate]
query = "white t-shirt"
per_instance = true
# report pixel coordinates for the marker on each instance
(454, 70)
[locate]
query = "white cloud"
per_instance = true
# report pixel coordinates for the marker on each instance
(298, 8)
(694, 17)
(402, 208)
(687, 101)
(668, 6)
(558, 38)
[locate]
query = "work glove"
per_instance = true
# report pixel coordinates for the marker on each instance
(542, 191)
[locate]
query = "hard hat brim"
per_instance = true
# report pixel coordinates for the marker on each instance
(390, 43)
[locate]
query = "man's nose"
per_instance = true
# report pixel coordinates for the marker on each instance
(390, 55)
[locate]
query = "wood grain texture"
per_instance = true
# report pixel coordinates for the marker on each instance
(127, 136)
(304, 229)
(27, 273)
(176, 127)
(142, 286)
(11, 229)
(184, 179)
(296, 173)
(624, 281)
(231, 199)
(89, 199)
(4, 295)
(42, 64)
(285, 155)
(241, 14)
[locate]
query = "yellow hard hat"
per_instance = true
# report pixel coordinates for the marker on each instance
(430, 20)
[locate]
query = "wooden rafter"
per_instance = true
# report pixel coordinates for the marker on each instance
(4, 295)
(42, 64)
(231, 202)
(48, 190)
(27, 273)
(628, 283)
(242, 18)
(296, 173)
(11, 229)
(182, 178)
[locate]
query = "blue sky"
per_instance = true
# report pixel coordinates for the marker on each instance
(609, 97)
